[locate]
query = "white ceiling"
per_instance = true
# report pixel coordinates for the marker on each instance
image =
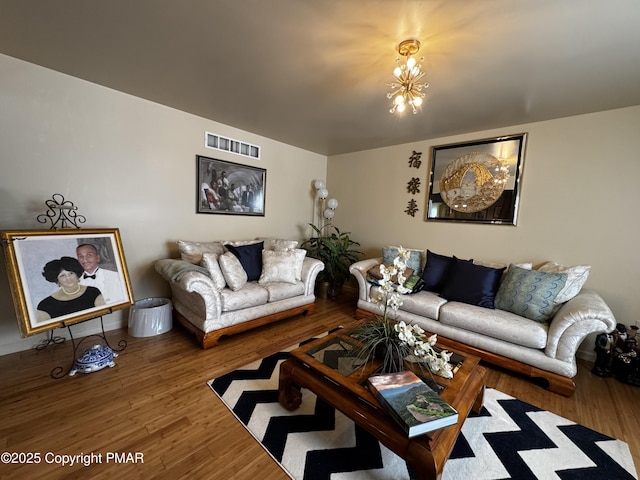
(312, 73)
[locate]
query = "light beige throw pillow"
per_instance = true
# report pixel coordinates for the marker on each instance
(232, 270)
(282, 265)
(279, 244)
(192, 251)
(210, 262)
(576, 278)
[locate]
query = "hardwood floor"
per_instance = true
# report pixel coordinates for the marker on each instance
(155, 404)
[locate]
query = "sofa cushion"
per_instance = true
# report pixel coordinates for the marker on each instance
(472, 284)
(576, 278)
(250, 295)
(498, 324)
(280, 290)
(436, 271)
(250, 257)
(234, 275)
(415, 260)
(426, 304)
(529, 293)
(192, 251)
(210, 262)
(282, 265)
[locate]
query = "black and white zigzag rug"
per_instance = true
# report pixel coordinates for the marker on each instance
(509, 439)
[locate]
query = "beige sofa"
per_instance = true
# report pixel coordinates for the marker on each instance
(225, 287)
(544, 349)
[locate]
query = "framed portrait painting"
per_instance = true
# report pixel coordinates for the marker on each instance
(229, 188)
(477, 181)
(61, 277)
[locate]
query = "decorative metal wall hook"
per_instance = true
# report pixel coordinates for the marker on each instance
(61, 213)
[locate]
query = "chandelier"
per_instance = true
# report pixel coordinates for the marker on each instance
(407, 89)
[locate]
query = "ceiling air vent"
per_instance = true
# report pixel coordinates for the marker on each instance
(225, 144)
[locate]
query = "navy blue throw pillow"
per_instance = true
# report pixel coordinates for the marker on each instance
(250, 257)
(472, 284)
(436, 271)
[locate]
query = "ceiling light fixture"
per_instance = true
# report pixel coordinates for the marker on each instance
(407, 89)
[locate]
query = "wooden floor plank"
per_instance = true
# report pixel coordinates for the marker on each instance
(156, 401)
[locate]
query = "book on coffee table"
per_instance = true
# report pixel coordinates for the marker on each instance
(412, 403)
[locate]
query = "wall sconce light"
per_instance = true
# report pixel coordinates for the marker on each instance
(406, 89)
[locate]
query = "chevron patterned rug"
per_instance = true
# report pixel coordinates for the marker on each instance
(509, 439)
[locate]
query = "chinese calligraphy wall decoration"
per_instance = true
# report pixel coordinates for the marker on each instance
(413, 186)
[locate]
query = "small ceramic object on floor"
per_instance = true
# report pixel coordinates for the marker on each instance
(93, 359)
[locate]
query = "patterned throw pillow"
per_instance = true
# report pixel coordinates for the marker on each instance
(192, 251)
(278, 243)
(234, 274)
(375, 276)
(282, 265)
(576, 278)
(210, 262)
(414, 261)
(529, 293)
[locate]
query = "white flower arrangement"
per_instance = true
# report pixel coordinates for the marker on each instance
(415, 338)
(399, 340)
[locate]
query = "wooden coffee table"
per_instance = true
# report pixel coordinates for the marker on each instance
(329, 369)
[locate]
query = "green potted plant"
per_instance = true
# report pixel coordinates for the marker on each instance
(335, 250)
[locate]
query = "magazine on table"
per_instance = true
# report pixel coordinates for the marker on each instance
(411, 402)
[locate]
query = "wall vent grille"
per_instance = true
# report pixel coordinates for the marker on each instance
(226, 144)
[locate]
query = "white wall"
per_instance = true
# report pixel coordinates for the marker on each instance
(126, 163)
(579, 203)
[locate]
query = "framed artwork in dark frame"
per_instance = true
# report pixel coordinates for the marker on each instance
(229, 188)
(477, 181)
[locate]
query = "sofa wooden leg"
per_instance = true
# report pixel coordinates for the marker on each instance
(555, 383)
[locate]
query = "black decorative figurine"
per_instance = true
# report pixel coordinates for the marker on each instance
(604, 344)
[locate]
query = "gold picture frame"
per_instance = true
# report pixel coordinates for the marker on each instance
(41, 301)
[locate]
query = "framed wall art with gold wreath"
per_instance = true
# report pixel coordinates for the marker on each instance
(477, 181)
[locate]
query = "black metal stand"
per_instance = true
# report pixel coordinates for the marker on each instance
(50, 339)
(61, 213)
(59, 371)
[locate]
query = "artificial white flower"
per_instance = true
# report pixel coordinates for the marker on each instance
(417, 329)
(411, 337)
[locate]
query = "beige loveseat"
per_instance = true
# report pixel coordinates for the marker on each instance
(474, 304)
(225, 287)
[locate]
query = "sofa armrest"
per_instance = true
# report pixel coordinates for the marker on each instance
(185, 280)
(311, 267)
(584, 314)
(359, 270)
